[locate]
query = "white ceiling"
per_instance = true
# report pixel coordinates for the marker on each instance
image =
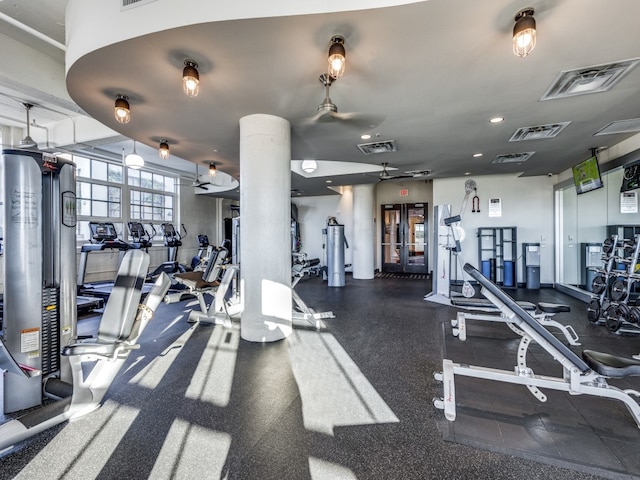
(434, 71)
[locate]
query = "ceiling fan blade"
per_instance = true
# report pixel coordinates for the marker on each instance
(360, 120)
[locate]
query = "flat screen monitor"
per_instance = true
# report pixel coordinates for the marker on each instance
(586, 175)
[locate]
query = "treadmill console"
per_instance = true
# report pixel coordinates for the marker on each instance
(105, 234)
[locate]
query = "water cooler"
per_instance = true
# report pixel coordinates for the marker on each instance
(335, 255)
(531, 258)
(590, 258)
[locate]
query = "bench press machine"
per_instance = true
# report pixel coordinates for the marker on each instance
(483, 310)
(122, 322)
(581, 376)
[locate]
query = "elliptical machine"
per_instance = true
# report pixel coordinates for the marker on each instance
(173, 242)
(140, 236)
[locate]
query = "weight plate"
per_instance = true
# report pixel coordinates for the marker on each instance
(593, 310)
(624, 312)
(618, 290)
(634, 317)
(607, 246)
(612, 320)
(598, 284)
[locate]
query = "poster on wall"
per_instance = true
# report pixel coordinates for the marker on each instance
(495, 207)
(629, 202)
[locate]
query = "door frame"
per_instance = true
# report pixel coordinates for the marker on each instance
(403, 244)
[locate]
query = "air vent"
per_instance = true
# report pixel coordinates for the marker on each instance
(129, 4)
(599, 78)
(513, 157)
(538, 132)
(378, 147)
(621, 126)
(418, 173)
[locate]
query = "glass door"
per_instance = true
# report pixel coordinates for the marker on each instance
(403, 238)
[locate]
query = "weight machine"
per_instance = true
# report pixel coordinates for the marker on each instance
(448, 236)
(38, 219)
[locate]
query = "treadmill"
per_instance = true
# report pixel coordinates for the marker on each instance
(103, 237)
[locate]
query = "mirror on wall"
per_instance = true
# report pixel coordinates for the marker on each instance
(585, 220)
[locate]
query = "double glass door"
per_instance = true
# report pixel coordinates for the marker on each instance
(404, 246)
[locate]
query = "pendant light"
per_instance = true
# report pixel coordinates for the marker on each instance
(337, 58)
(122, 110)
(309, 166)
(28, 142)
(133, 160)
(163, 150)
(190, 78)
(524, 33)
(212, 169)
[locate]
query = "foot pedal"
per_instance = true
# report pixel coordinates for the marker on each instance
(455, 332)
(438, 376)
(438, 403)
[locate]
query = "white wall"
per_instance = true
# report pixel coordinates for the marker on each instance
(200, 215)
(527, 203)
(312, 216)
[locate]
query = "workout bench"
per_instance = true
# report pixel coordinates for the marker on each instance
(581, 376)
(482, 309)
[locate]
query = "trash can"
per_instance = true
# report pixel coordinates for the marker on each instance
(531, 255)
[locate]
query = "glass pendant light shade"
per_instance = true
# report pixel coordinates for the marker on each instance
(524, 33)
(309, 166)
(133, 160)
(190, 78)
(337, 57)
(212, 169)
(163, 150)
(122, 110)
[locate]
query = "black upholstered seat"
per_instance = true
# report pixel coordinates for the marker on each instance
(611, 365)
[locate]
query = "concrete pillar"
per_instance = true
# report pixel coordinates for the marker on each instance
(265, 223)
(363, 238)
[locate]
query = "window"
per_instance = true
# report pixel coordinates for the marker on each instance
(105, 194)
(151, 196)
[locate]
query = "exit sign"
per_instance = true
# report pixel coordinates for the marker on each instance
(404, 192)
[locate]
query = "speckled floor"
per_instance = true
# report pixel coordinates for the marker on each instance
(350, 401)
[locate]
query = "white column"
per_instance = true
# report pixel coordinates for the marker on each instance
(265, 223)
(363, 238)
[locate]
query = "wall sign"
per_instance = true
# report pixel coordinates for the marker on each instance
(629, 202)
(495, 207)
(404, 192)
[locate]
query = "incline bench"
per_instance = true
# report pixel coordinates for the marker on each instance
(482, 309)
(581, 376)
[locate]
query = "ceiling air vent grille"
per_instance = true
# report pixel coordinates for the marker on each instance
(513, 157)
(378, 147)
(598, 78)
(538, 132)
(128, 4)
(620, 126)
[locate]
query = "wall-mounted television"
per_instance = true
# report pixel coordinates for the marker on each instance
(586, 175)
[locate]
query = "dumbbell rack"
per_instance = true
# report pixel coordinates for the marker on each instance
(614, 303)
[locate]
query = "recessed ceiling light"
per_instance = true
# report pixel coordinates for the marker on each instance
(329, 181)
(366, 136)
(476, 155)
(467, 173)
(497, 119)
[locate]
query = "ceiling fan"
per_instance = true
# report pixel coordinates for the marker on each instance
(197, 183)
(385, 175)
(328, 111)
